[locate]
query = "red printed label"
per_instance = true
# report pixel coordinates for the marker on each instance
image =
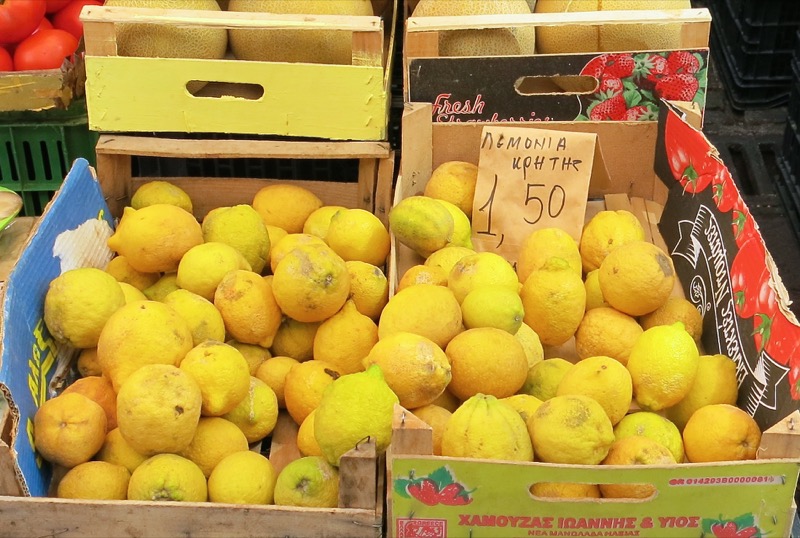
(421, 528)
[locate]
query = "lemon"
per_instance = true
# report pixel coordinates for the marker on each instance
(429, 311)
(436, 417)
(524, 404)
(472, 373)
(254, 354)
(168, 477)
(543, 244)
(304, 385)
(721, 432)
(154, 238)
(273, 372)
(554, 300)
(289, 242)
(116, 450)
(131, 293)
(544, 377)
(247, 304)
(353, 408)
(214, 439)
(716, 382)
(654, 426)
(493, 306)
(604, 379)
(78, 303)
(604, 232)
(454, 181)
(565, 490)
(447, 400)
(202, 267)
(221, 373)
(166, 284)
(241, 227)
(637, 278)
(634, 450)
(140, 333)
(369, 288)
(309, 481)
(663, 365)
(676, 309)
(146, 409)
(319, 220)
(88, 365)
(606, 331)
(357, 234)
(286, 206)
(306, 441)
(257, 413)
(481, 269)
(311, 283)
(483, 427)
(242, 478)
(295, 339)
(594, 295)
(446, 257)
(120, 269)
(69, 429)
(462, 227)
(422, 274)
(414, 367)
(275, 234)
(422, 224)
(345, 339)
(203, 318)
(96, 480)
(571, 429)
(534, 351)
(100, 391)
(160, 192)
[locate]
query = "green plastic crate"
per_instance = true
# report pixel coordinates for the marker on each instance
(37, 150)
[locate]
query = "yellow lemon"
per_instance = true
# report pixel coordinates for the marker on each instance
(663, 365)
(481, 269)
(254, 354)
(78, 303)
(716, 382)
(571, 429)
(160, 192)
(304, 385)
(462, 227)
(454, 181)
(203, 317)
(446, 257)
(422, 274)
(594, 295)
(676, 309)
(654, 426)
(606, 231)
(637, 278)
(345, 339)
(146, 409)
(273, 372)
(131, 293)
(554, 300)
(166, 284)
(357, 234)
(221, 373)
(606, 331)
(120, 269)
(284, 205)
(422, 224)
(493, 306)
(369, 288)
(257, 413)
(88, 364)
(118, 451)
(240, 227)
(100, 391)
(202, 267)
(721, 432)
(154, 238)
(543, 244)
(604, 379)
(472, 373)
(242, 478)
(311, 283)
(295, 339)
(288, 243)
(306, 441)
(309, 481)
(168, 477)
(248, 306)
(414, 367)
(565, 490)
(429, 311)
(141, 333)
(214, 439)
(69, 429)
(95, 480)
(634, 450)
(483, 427)
(524, 404)
(544, 377)
(436, 417)
(534, 351)
(319, 220)
(447, 400)
(275, 234)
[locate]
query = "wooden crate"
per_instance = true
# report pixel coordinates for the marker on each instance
(44, 89)
(340, 102)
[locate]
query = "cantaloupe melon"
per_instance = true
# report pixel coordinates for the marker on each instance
(480, 42)
(607, 38)
(329, 47)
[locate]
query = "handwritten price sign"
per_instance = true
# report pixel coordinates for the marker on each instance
(529, 179)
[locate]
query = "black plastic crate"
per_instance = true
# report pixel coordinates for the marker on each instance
(789, 194)
(766, 12)
(790, 149)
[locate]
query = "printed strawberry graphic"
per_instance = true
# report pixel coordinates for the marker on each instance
(439, 487)
(619, 65)
(425, 490)
(641, 113)
(650, 69)
(454, 495)
(681, 87)
(610, 84)
(743, 526)
(682, 61)
(611, 107)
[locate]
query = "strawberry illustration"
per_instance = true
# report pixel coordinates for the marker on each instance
(641, 113)
(425, 490)
(610, 84)
(619, 65)
(680, 87)
(729, 529)
(609, 108)
(650, 69)
(595, 67)
(682, 61)
(454, 495)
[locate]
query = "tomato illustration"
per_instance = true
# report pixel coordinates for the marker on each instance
(749, 277)
(689, 160)
(744, 226)
(725, 194)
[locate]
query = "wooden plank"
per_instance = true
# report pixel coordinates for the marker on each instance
(781, 440)
(368, 48)
(410, 435)
(100, 38)
(417, 45)
(384, 189)
(357, 480)
(367, 179)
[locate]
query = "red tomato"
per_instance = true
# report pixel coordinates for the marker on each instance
(44, 25)
(19, 18)
(68, 18)
(46, 49)
(6, 64)
(55, 5)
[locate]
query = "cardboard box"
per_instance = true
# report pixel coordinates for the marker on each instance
(339, 102)
(703, 235)
(71, 233)
(549, 87)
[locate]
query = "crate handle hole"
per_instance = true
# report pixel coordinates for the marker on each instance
(558, 84)
(226, 90)
(579, 492)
